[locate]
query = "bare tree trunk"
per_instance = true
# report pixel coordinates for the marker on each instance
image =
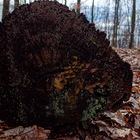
(116, 22)
(16, 3)
(128, 11)
(5, 8)
(138, 30)
(106, 21)
(133, 22)
(65, 2)
(92, 11)
(78, 6)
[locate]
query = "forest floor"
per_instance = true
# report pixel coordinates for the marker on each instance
(123, 124)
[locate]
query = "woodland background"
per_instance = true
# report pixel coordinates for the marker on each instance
(120, 19)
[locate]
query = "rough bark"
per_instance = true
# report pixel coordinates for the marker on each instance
(16, 4)
(56, 68)
(5, 10)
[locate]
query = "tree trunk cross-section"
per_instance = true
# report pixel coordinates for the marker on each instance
(56, 68)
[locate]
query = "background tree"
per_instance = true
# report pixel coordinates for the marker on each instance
(65, 2)
(106, 12)
(133, 20)
(125, 23)
(137, 30)
(78, 6)
(92, 11)
(115, 23)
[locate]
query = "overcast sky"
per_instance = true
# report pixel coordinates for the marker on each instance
(85, 2)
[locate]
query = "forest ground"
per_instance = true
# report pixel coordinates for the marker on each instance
(123, 124)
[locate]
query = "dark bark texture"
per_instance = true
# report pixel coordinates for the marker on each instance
(5, 9)
(56, 68)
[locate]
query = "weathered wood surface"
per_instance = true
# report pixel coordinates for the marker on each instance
(56, 68)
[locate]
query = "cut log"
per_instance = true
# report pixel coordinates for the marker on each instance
(56, 68)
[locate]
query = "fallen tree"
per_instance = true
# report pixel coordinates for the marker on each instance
(56, 68)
